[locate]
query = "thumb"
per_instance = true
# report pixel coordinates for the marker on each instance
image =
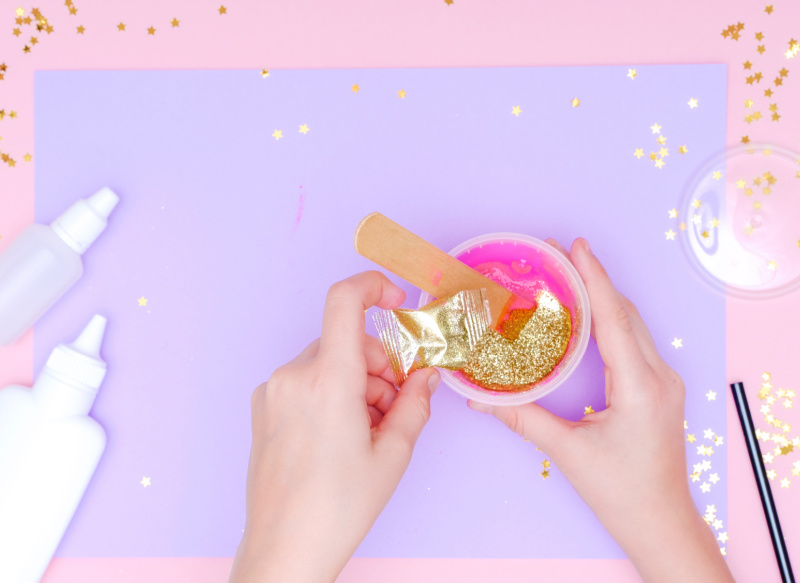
(409, 413)
(535, 423)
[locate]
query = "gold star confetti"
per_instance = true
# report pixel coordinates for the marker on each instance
(401, 94)
(355, 88)
(670, 235)
(761, 49)
(20, 11)
(692, 103)
(656, 128)
(448, 2)
(748, 103)
(277, 134)
(659, 164)
(768, 93)
(766, 376)
(785, 483)
(142, 301)
(145, 482)
(759, 36)
(17, 32)
(222, 10)
(73, 10)
(711, 396)
(715, 222)
(545, 474)
(705, 488)
(121, 26)
(696, 203)
(264, 73)
(673, 214)
(81, 29)
(691, 438)
(588, 410)
(748, 229)
(661, 140)
(768, 9)
(747, 65)
(757, 205)
(663, 152)
(631, 74)
(683, 149)
(677, 343)
(741, 183)
(638, 152)
(516, 110)
(717, 174)
(682, 226)
(151, 31)
(775, 117)
(304, 129)
(175, 23)
(745, 139)
(772, 265)
(575, 102)
(28, 157)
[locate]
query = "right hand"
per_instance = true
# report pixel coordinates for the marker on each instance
(628, 461)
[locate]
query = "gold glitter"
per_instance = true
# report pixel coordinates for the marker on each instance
(516, 110)
(692, 103)
(443, 333)
(527, 348)
(401, 94)
(631, 74)
(576, 102)
(638, 152)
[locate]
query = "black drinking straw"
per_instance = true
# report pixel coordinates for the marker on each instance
(763, 484)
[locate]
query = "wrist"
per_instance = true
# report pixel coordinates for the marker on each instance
(266, 561)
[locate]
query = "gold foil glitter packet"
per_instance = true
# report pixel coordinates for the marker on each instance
(442, 333)
(529, 345)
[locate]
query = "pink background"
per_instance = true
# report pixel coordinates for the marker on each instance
(358, 33)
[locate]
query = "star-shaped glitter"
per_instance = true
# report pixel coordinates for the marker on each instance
(696, 203)
(587, 410)
(683, 149)
(355, 88)
(670, 235)
(769, 9)
(677, 343)
(631, 74)
(545, 474)
(638, 152)
(711, 396)
(222, 10)
(785, 483)
(121, 26)
(748, 103)
(20, 11)
(175, 23)
(661, 140)
(717, 174)
(151, 31)
(659, 164)
(145, 482)
(723, 537)
(575, 102)
(708, 433)
(264, 73)
(761, 49)
(745, 139)
(81, 29)
(772, 265)
(692, 103)
(705, 487)
(691, 438)
(713, 478)
(759, 36)
(401, 94)
(304, 129)
(673, 214)
(277, 134)
(747, 65)
(28, 157)
(656, 128)
(768, 93)
(142, 301)
(516, 110)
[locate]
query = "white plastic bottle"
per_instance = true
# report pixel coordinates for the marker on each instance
(49, 449)
(45, 261)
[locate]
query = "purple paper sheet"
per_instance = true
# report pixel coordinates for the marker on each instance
(233, 237)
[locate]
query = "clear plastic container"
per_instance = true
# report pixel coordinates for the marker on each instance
(525, 265)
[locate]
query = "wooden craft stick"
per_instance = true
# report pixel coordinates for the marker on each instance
(397, 249)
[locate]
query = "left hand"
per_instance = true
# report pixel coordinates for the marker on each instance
(332, 437)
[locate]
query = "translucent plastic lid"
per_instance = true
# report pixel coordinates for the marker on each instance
(739, 221)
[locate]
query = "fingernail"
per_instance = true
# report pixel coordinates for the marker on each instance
(433, 382)
(480, 407)
(586, 246)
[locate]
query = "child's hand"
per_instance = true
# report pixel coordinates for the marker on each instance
(628, 462)
(331, 439)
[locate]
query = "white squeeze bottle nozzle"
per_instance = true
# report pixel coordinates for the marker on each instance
(49, 449)
(45, 261)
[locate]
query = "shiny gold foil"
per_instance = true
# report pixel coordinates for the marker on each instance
(527, 348)
(442, 334)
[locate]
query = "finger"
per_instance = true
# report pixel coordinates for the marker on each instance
(548, 431)
(343, 320)
(555, 244)
(375, 416)
(377, 361)
(405, 419)
(380, 393)
(642, 334)
(613, 329)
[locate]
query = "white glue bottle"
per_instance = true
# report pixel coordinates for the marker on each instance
(40, 265)
(49, 449)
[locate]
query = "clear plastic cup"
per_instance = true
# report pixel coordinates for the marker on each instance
(524, 265)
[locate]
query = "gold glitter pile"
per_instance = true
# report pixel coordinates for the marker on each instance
(528, 347)
(786, 446)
